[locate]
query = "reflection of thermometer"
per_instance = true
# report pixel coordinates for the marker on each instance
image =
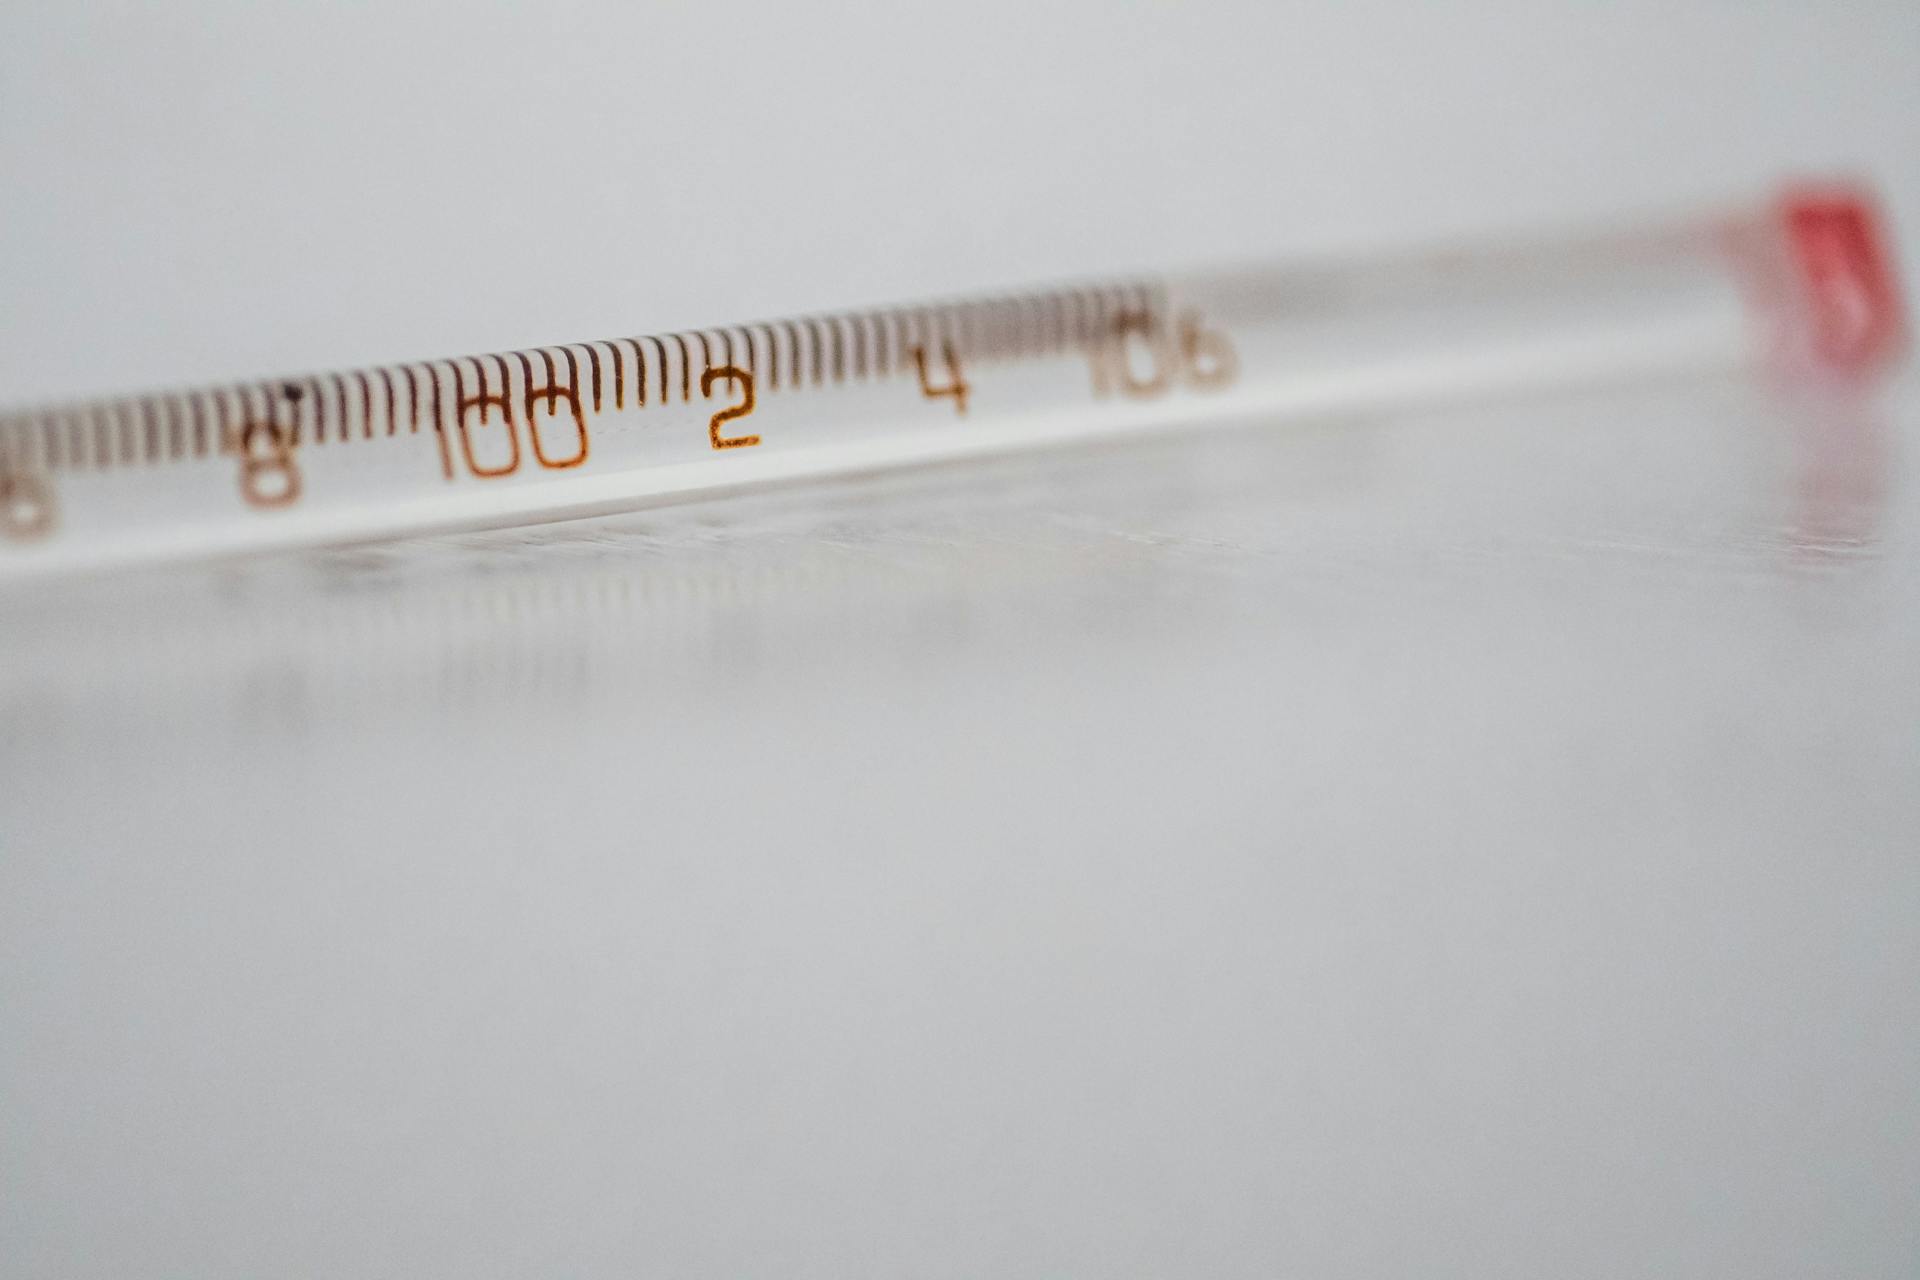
(1802, 285)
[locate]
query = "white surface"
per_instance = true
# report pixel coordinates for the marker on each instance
(1468, 845)
(1480, 845)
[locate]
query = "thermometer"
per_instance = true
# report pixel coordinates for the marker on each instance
(1800, 288)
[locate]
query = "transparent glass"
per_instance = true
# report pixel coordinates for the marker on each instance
(1799, 289)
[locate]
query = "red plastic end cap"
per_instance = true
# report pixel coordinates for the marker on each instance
(1848, 279)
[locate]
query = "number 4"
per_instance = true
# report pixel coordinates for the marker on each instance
(956, 382)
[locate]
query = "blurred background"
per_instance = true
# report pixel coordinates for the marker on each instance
(1462, 843)
(215, 190)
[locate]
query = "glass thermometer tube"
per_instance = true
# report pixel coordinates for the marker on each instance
(1800, 287)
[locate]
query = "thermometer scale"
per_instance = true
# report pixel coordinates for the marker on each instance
(1800, 286)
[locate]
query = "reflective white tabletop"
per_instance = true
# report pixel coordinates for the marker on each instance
(1471, 844)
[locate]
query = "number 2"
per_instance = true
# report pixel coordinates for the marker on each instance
(741, 410)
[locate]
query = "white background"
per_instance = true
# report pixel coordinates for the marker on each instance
(1464, 845)
(204, 190)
